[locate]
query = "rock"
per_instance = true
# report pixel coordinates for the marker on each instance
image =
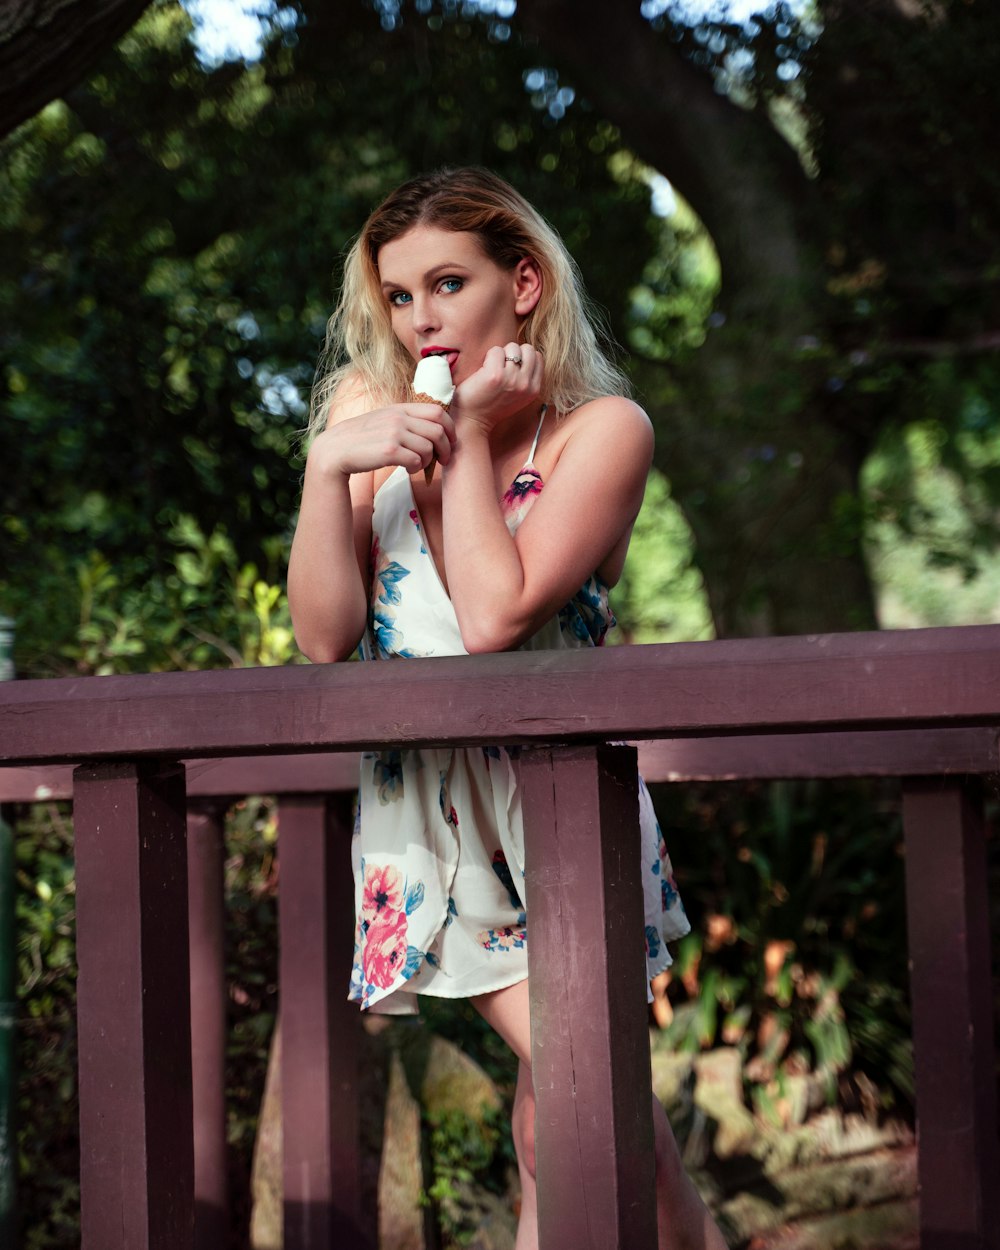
(718, 1093)
(892, 1226)
(401, 1216)
(266, 1231)
(825, 1187)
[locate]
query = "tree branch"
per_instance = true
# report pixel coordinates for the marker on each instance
(741, 177)
(48, 46)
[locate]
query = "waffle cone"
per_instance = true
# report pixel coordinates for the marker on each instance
(421, 397)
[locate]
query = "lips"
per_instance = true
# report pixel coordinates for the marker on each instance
(450, 353)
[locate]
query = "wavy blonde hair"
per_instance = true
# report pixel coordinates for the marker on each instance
(361, 346)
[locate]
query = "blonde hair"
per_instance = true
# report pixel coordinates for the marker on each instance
(360, 347)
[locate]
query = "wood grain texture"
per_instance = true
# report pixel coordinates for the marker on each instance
(949, 941)
(133, 1013)
(935, 677)
(590, 1042)
(206, 929)
(321, 1030)
(885, 753)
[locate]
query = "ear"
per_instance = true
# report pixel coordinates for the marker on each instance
(527, 285)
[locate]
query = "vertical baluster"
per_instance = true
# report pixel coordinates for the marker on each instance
(949, 943)
(133, 1016)
(320, 1030)
(590, 1041)
(206, 926)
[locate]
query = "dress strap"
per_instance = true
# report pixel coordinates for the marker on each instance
(538, 434)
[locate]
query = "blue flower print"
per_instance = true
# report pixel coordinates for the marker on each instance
(388, 770)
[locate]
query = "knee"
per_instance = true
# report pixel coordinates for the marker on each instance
(523, 1128)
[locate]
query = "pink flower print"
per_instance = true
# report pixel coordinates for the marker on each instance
(385, 950)
(383, 893)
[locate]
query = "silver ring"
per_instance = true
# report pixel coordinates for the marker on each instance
(513, 360)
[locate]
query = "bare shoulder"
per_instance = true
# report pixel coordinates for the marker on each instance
(609, 425)
(350, 399)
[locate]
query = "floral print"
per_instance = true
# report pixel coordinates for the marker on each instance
(439, 846)
(388, 770)
(382, 952)
(385, 599)
(509, 938)
(382, 893)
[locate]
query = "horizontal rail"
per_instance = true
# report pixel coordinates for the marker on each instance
(893, 679)
(884, 753)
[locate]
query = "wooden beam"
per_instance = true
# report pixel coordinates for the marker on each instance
(911, 678)
(884, 753)
(133, 1014)
(951, 989)
(589, 1033)
(320, 1029)
(206, 928)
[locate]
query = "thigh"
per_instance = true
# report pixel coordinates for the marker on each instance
(507, 1012)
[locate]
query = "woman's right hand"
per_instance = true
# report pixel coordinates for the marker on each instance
(410, 435)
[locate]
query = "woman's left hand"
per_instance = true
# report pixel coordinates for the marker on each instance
(509, 379)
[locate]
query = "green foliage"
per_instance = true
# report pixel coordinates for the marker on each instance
(465, 1150)
(209, 610)
(661, 595)
(48, 1109)
(797, 955)
(932, 492)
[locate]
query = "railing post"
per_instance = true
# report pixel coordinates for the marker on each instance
(949, 945)
(320, 1029)
(206, 928)
(133, 1010)
(589, 1033)
(8, 989)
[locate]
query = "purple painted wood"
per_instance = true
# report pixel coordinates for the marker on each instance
(133, 1015)
(206, 928)
(320, 1030)
(949, 941)
(590, 1040)
(915, 678)
(885, 753)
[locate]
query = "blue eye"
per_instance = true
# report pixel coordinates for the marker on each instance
(452, 284)
(399, 298)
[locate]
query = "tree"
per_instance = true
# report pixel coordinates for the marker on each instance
(853, 221)
(849, 261)
(47, 46)
(167, 245)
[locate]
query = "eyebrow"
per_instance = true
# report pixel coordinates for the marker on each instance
(448, 266)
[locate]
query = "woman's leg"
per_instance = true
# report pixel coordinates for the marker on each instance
(684, 1222)
(506, 1011)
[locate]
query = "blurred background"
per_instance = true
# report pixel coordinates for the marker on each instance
(787, 215)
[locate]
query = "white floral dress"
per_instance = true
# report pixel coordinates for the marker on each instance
(438, 848)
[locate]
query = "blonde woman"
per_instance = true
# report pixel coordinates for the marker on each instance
(539, 466)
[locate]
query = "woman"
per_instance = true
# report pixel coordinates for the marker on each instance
(538, 469)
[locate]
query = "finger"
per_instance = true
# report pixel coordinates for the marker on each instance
(439, 434)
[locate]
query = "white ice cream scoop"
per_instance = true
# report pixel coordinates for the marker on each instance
(432, 384)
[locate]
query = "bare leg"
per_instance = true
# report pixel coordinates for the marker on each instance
(506, 1011)
(684, 1222)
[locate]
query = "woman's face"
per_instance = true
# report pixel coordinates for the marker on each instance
(446, 297)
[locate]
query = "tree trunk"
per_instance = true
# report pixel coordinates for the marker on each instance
(762, 464)
(48, 46)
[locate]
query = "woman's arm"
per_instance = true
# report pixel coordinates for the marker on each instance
(328, 565)
(504, 588)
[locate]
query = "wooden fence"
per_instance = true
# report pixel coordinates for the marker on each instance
(922, 705)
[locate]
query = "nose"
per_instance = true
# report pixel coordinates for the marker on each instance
(425, 316)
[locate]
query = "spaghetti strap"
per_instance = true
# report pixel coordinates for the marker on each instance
(538, 432)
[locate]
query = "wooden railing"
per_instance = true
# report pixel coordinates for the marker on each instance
(923, 705)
